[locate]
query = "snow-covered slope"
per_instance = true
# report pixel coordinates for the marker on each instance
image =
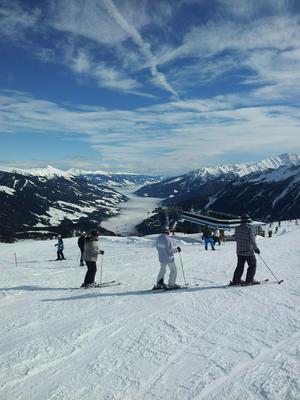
(124, 343)
(59, 203)
(46, 172)
(99, 176)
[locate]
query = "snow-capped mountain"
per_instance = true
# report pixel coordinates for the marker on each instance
(268, 196)
(243, 169)
(267, 190)
(112, 179)
(48, 198)
(52, 201)
(180, 186)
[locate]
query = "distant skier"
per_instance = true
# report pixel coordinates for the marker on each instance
(245, 248)
(166, 252)
(270, 232)
(80, 243)
(276, 228)
(60, 249)
(216, 236)
(90, 255)
(207, 236)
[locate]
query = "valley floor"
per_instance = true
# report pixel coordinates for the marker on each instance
(208, 342)
(132, 213)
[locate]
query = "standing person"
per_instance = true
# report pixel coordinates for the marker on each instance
(166, 252)
(80, 243)
(60, 248)
(270, 232)
(245, 248)
(216, 236)
(207, 236)
(90, 255)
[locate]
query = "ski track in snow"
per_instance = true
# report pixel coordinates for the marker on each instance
(127, 343)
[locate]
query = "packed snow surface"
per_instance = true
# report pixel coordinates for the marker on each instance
(125, 342)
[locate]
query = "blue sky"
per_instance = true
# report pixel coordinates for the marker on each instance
(148, 86)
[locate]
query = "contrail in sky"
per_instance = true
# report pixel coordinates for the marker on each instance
(138, 40)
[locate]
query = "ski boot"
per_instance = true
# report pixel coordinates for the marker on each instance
(240, 283)
(254, 282)
(173, 287)
(160, 285)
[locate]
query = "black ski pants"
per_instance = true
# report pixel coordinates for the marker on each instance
(91, 272)
(251, 261)
(60, 255)
(216, 239)
(81, 255)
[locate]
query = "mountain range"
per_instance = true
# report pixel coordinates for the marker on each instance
(268, 190)
(47, 201)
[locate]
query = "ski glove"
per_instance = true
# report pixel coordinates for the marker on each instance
(257, 251)
(101, 252)
(178, 249)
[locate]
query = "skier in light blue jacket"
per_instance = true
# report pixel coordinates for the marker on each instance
(60, 248)
(166, 252)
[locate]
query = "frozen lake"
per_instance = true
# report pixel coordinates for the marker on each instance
(133, 212)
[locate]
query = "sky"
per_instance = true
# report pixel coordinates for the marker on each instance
(148, 86)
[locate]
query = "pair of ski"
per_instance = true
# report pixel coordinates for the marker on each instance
(255, 284)
(167, 289)
(187, 286)
(104, 284)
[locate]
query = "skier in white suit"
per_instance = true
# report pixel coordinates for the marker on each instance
(166, 252)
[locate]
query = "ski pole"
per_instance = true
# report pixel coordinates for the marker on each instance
(78, 258)
(101, 268)
(278, 281)
(182, 268)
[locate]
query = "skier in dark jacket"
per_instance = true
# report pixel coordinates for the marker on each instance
(245, 248)
(207, 236)
(60, 248)
(90, 255)
(80, 243)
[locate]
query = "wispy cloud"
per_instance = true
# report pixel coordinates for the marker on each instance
(168, 135)
(253, 8)
(110, 77)
(267, 48)
(144, 47)
(100, 22)
(16, 19)
(105, 24)
(82, 63)
(236, 69)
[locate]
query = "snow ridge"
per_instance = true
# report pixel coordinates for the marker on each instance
(242, 169)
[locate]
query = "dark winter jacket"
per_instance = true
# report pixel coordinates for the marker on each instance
(81, 241)
(60, 245)
(206, 233)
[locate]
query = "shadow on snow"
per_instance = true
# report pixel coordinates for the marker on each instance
(135, 293)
